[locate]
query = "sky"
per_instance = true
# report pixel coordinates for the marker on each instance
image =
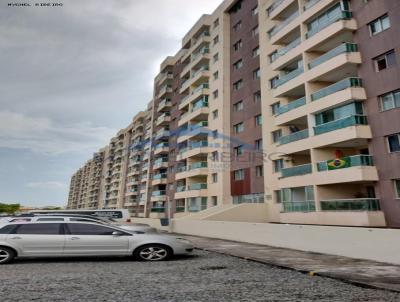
(71, 77)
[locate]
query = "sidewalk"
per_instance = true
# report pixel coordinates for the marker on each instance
(355, 271)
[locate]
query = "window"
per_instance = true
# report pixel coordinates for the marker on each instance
(215, 75)
(237, 7)
(237, 85)
(390, 100)
(238, 45)
(39, 229)
(258, 144)
(216, 23)
(278, 196)
(214, 156)
(216, 40)
(256, 52)
(89, 229)
(394, 142)
(256, 74)
(254, 11)
(385, 61)
(257, 96)
(214, 200)
(278, 165)
(238, 174)
(397, 188)
(238, 106)
(215, 94)
(237, 26)
(238, 127)
(379, 25)
(215, 134)
(238, 150)
(276, 135)
(254, 31)
(259, 171)
(238, 64)
(215, 114)
(8, 229)
(273, 81)
(273, 56)
(275, 108)
(215, 57)
(214, 177)
(258, 120)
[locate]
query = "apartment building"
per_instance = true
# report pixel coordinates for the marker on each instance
(293, 103)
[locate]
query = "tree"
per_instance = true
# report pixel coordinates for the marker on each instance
(9, 208)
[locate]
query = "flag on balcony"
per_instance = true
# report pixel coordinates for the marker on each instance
(338, 163)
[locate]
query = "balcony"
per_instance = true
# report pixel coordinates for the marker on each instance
(310, 4)
(346, 162)
(292, 105)
(364, 204)
(273, 7)
(164, 104)
(296, 170)
(330, 18)
(200, 53)
(162, 133)
(160, 163)
(281, 52)
(163, 119)
(164, 90)
(161, 148)
(201, 90)
(198, 186)
(343, 48)
(276, 29)
(289, 76)
(164, 77)
(298, 206)
(353, 120)
(299, 135)
(198, 165)
(160, 176)
(338, 86)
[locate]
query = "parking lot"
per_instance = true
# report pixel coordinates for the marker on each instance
(205, 276)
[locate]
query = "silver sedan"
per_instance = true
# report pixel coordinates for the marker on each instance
(68, 239)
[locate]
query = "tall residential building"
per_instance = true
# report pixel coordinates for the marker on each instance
(293, 103)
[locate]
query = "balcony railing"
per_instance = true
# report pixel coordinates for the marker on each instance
(200, 87)
(204, 68)
(274, 6)
(157, 210)
(198, 125)
(160, 161)
(346, 162)
(292, 105)
(180, 188)
(161, 145)
(338, 86)
(281, 52)
(198, 165)
(199, 105)
(297, 170)
(298, 206)
(363, 204)
(200, 53)
(283, 24)
(198, 144)
(343, 48)
(181, 169)
(345, 122)
(289, 76)
(310, 4)
(331, 18)
(159, 193)
(179, 209)
(160, 176)
(199, 186)
(294, 137)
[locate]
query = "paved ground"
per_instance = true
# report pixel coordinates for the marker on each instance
(205, 276)
(356, 271)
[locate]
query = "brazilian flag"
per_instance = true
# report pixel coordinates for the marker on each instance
(338, 163)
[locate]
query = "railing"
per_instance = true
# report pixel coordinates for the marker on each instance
(160, 161)
(160, 176)
(200, 87)
(345, 122)
(338, 86)
(198, 144)
(292, 105)
(289, 76)
(283, 24)
(162, 145)
(159, 193)
(346, 162)
(362, 204)
(297, 170)
(199, 105)
(181, 169)
(294, 137)
(180, 188)
(332, 18)
(179, 209)
(310, 4)
(281, 52)
(343, 48)
(204, 68)
(274, 6)
(165, 102)
(201, 52)
(198, 125)
(157, 210)
(198, 165)
(199, 186)
(299, 206)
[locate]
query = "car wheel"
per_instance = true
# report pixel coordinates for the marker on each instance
(6, 255)
(153, 252)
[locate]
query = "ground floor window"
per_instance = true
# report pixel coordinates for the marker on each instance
(397, 187)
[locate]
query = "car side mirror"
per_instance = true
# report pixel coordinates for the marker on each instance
(116, 233)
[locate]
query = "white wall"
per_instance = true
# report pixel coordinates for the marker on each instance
(366, 243)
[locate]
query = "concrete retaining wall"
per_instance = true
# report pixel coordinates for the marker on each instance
(365, 243)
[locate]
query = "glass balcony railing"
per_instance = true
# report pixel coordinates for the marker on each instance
(343, 48)
(164, 103)
(281, 52)
(345, 122)
(330, 19)
(160, 176)
(179, 209)
(297, 170)
(338, 86)
(162, 145)
(198, 144)
(294, 137)
(292, 105)
(283, 24)
(198, 125)
(180, 188)
(274, 6)
(181, 169)
(363, 204)
(298, 206)
(200, 53)
(204, 68)
(199, 186)
(310, 4)
(198, 165)
(289, 76)
(200, 87)
(200, 104)
(159, 193)
(160, 161)
(157, 210)
(346, 162)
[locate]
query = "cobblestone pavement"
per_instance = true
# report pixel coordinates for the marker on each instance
(205, 276)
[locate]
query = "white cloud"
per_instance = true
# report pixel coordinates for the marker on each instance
(46, 185)
(42, 135)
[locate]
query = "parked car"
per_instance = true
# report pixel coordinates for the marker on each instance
(81, 238)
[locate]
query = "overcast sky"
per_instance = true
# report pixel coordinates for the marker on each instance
(70, 77)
